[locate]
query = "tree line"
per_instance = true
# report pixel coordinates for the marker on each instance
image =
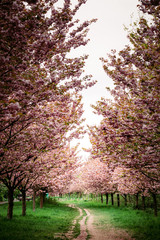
(127, 139)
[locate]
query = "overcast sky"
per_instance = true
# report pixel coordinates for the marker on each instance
(106, 34)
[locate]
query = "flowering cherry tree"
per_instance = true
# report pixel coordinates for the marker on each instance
(35, 66)
(98, 177)
(57, 167)
(132, 182)
(92, 176)
(44, 135)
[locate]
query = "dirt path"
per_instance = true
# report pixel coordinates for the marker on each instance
(83, 226)
(98, 232)
(92, 229)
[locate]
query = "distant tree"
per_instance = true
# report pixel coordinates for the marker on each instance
(93, 176)
(56, 173)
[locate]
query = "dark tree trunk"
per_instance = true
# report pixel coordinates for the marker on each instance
(44, 197)
(34, 200)
(10, 203)
(137, 200)
(155, 204)
(106, 198)
(112, 200)
(41, 200)
(118, 200)
(143, 202)
(101, 197)
(125, 199)
(23, 202)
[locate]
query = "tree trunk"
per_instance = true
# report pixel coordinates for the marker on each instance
(101, 197)
(44, 197)
(10, 203)
(143, 202)
(41, 200)
(23, 203)
(106, 198)
(118, 200)
(112, 200)
(34, 200)
(155, 204)
(137, 200)
(125, 199)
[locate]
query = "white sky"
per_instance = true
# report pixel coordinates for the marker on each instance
(106, 34)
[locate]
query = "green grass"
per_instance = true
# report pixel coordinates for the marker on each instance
(41, 224)
(140, 224)
(57, 218)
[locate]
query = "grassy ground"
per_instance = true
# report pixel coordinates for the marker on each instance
(56, 218)
(38, 225)
(140, 224)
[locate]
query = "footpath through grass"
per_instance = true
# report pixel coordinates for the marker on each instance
(39, 225)
(138, 223)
